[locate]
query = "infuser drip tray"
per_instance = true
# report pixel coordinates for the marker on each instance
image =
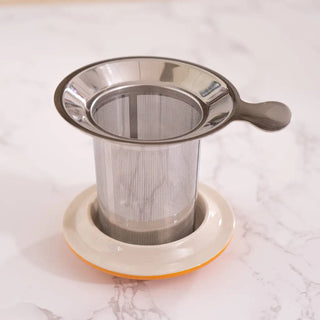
(213, 231)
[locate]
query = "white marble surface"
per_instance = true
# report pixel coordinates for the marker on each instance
(270, 50)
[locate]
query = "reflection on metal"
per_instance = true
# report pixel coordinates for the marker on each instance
(167, 73)
(213, 86)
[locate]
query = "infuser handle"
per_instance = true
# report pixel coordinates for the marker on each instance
(270, 116)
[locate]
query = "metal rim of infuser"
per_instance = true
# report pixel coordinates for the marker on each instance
(212, 99)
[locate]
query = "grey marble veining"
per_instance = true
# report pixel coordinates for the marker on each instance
(131, 300)
(270, 51)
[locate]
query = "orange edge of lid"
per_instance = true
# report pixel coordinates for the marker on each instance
(162, 276)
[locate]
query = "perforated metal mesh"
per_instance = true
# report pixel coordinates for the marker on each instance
(146, 193)
(146, 116)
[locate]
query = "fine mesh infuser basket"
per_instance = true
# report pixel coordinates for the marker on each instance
(147, 115)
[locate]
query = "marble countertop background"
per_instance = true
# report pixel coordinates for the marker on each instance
(270, 50)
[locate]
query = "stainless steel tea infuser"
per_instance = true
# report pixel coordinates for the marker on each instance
(147, 115)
